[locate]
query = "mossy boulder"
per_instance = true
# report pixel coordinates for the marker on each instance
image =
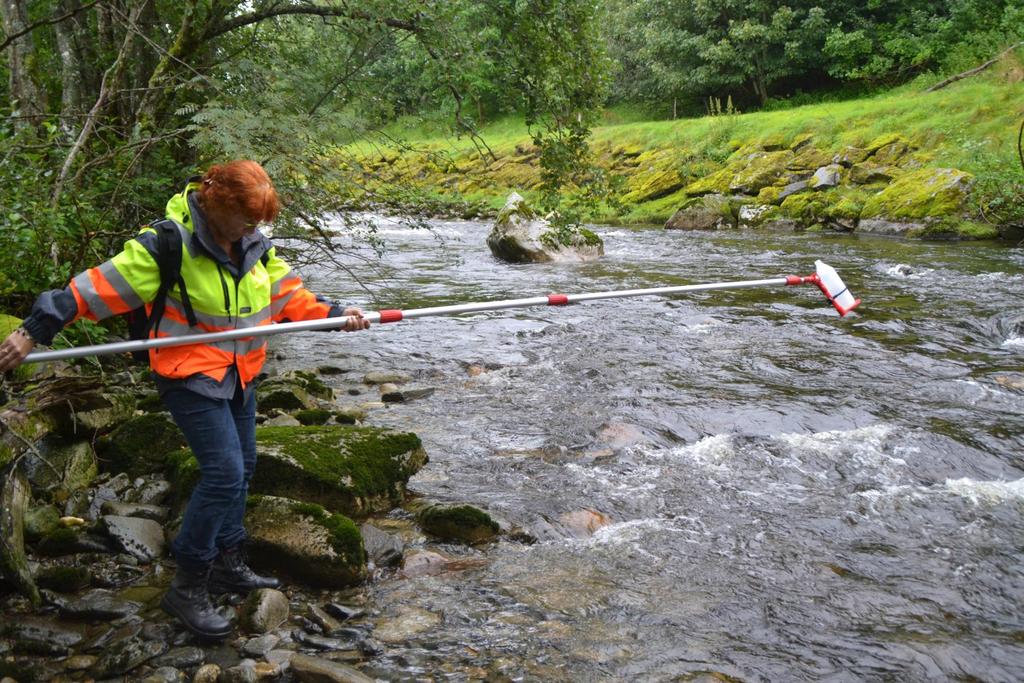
(463, 523)
(305, 541)
(758, 170)
(926, 193)
(40, 521)
(709, 212)
(872, 174)
(646, 186)
(714, 183)
(80, 407)
(348, 469)
(316, 416)
(313, 385)
(519, 235)
(282, 394)
(55, 465)
(808, 159)
(140, 446)
(64, 579)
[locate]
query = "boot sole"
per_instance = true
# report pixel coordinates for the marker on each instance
(208, 635)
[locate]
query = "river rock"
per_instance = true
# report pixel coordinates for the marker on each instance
(165, 674)
(584, 523)
(347, 469)
(403, 395)
(40, 520)
(709, 212)
(309, 669)
(14, 498)
(520, 236)
(382, 549)
(156, 513)
(98, 605)
(921, 195)
(826, 177)
(264, 610)
(283, 421)
(409, 622)
(258, 647)
(424, 563)
(386, 378)
(463, 523)
(80, 406)
(151, 492)
(207, 673)
(305, 541)
(181, 657)
(56, 464)
(122, 656)
(282, 395)
(140, 446)
(64, 579)
(142, 538)
(43, 636)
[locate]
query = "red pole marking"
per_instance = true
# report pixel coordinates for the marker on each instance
(557, 300)
(390, 315)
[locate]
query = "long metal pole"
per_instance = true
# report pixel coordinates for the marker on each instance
(389, 316)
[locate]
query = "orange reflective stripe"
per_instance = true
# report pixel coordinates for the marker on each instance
(302, 305)
(107, 293)
(83, 308)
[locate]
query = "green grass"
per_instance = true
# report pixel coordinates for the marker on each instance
(970, 125)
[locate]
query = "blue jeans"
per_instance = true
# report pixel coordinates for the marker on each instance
(222, 435)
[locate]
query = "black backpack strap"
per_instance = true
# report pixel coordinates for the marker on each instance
(169, 246)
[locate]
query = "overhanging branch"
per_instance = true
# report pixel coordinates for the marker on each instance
(242, 20)
(46, 22)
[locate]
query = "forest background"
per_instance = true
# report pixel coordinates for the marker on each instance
(107, 105)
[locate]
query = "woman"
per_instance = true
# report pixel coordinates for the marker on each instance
(233, 279)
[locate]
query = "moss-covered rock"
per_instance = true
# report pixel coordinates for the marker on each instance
(808, 159)
(313, 385)
(64, 579)
(317, 416)
(348, 469)
(714, 183)
(14, 498)
(920, 194)
(57, 465)
(275, 394)
(463, 523)
(520, 236)
(646, 186)
(305, 541)
(140, 446)
(709, 212)
(872, 174)
(79, 407)
(40, 521)
(758, 170)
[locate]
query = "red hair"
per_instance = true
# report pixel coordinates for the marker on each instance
(241, 185)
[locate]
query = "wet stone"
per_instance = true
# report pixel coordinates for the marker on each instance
(98, 605)
(39, 635)
(242, 673)
(307, 668)
(325, 621)
(385, 378)
(151, 493)
(64, 579)
(142, 538)
(343, 612)
(181, 657)
(208, 673)
(264, 610)
(324, 642)
(126, 655)
(258, 647)
(79, 662)
(151, 631)
(165, 674)
(156, 513)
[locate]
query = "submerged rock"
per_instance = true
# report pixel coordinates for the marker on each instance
(317, 670)
(520, 236)
(463, 523)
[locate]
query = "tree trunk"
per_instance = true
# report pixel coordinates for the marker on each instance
(70, 36)
(27, 98)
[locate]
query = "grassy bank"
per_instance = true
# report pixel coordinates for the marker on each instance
(970, 126)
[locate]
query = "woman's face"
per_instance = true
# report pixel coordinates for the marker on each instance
(229, 226)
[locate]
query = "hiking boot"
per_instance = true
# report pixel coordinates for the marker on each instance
(188, 599)
(231, 574)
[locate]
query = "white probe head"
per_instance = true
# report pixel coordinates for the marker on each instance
(835, 290)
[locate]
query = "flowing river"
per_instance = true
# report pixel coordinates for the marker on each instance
(732, 485)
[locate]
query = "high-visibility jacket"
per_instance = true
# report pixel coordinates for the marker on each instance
(258, 291)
